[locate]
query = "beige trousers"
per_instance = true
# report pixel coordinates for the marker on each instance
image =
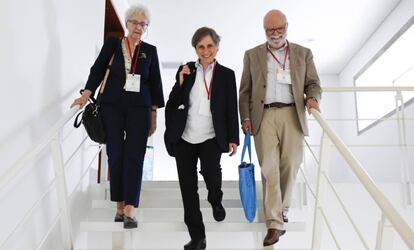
(279, 148)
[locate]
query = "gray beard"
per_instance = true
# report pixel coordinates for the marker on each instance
(276, 43)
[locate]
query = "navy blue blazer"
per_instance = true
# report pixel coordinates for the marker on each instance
(147, 66)
(223, 106)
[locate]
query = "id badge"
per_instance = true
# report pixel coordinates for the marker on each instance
(283, 76)
(133, 83)
(204, 109)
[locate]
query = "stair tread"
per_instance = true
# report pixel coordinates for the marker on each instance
(181, 227)
(171, 203)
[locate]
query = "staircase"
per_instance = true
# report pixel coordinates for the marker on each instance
(161, 226)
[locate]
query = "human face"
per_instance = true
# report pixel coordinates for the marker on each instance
(137, 24)
(206, 50)
(276, 30)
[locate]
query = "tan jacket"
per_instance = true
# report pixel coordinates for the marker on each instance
(305, 83)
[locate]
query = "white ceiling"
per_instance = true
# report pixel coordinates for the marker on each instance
(333, 29)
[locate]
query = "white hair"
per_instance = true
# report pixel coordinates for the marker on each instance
(137, 9)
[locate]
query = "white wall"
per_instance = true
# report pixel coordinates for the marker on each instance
(47, 48)
(382, 164)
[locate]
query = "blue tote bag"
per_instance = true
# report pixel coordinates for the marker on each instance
(247, 183)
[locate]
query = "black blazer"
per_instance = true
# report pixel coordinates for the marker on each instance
(223, 106)
(147, 66)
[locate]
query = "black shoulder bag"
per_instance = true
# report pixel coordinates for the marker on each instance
(92, 116)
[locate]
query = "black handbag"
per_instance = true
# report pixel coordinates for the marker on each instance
(92, 115)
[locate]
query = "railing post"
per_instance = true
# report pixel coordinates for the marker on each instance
(65, 218)
(405, 176)
(320, 191)
(385, 235)
(301, 186)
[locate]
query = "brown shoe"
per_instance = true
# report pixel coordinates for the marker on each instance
(272, 236)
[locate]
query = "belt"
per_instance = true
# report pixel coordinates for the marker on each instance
(278, 105)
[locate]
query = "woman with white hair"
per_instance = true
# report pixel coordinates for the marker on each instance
(132, 95)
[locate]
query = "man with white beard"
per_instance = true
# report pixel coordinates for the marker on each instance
(279, 79)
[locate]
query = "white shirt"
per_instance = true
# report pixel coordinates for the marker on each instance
(199, 126)
(276, 91)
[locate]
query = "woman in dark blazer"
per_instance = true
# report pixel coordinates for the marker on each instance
(201, 123)
(132, 94)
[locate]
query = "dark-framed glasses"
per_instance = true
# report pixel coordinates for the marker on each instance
(142, 25)
(279, 30)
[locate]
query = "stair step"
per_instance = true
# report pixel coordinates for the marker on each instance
(229, 227)
(201, 184)
(221, 248)
(170, 203)
(170, 192)
(164, 193)
(174, 215)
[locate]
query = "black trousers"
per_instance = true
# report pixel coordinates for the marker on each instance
(126, 130)
(186, 156)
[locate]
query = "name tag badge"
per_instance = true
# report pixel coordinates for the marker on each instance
(133, 83)
(204, 109)
(283, 76)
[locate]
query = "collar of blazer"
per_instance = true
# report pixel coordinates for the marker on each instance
(190, 79)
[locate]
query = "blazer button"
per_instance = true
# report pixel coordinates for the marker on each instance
(264, 86)
(262, 101)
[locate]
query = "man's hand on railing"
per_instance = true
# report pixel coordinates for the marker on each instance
(311, 103)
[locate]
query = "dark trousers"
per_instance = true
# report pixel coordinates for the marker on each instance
(186, 156)
(127, 134)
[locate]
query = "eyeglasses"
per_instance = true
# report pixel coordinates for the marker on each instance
(142, 25)
(279, 30)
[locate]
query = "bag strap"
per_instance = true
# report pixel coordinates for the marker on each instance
(103, 83)
(108, 69)
(248, 146)
(77, 123)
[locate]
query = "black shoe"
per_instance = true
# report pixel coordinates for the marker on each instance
(196, 245)
(130, 222)
(119, 217)
(219, 213)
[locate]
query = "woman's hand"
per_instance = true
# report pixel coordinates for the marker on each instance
(153, 121)
(185, 71)
(81, 101)
(232, 148)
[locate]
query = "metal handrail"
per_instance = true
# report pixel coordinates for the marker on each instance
(357, 230)
(13, 171)
(366, 89)
(403, 229)
(348, 215)
(50, 138)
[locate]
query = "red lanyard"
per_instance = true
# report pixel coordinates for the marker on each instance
(130, 54)
(208, 89)
(284, 60)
